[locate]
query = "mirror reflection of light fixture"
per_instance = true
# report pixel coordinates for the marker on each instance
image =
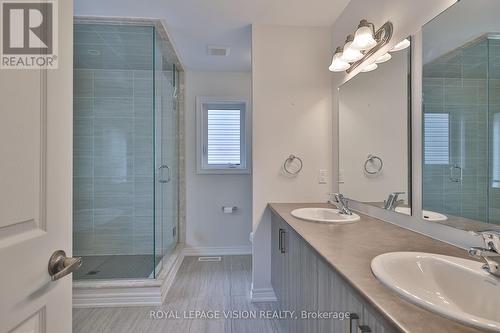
(383, 58)
(359, 48)
(338, 65)
(364, 37)
(401, 45)
(369, 68)
(349, 53)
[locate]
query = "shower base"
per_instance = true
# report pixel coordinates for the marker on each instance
(116, 267)
(92, 291)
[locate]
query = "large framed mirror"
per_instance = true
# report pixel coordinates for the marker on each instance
(375, 135)
(461, 116)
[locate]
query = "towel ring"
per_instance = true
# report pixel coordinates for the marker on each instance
(370, 159)
(288, 163)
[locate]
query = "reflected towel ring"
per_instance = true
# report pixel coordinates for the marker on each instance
(371, 159)
(288, 163)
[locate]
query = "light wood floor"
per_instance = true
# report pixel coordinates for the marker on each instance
(204, 286)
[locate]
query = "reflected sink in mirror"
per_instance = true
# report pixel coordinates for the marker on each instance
(324, 215)
(426, 214)
(452, 287)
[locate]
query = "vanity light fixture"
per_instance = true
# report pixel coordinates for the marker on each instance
(364, 36)
(350, 54)
(401, 45)
(383, 58)
(369, 68)
(364, 44)
(338, 65)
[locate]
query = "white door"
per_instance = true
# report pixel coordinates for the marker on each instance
(36, 190)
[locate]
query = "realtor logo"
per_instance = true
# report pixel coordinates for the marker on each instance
(29, 34)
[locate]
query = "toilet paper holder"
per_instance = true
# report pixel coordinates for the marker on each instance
(229, 209)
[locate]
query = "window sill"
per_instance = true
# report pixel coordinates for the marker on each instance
(224, 171)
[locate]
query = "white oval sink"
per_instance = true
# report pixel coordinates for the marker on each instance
(324, 215)
(452, 287)
(426, 214)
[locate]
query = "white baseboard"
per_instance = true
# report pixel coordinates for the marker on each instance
(174, 262)
(92, 297)
(216, 251)
(122, 293)
(262, 295)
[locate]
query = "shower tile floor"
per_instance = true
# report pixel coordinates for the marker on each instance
(204, 286)
(116, 267)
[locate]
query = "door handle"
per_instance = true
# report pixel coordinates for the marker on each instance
(454, 178)
(282, 241)
(165, 166)
(60, 265)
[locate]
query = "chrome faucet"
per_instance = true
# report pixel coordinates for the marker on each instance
(392, 201)
(490, 254)
(341, 202)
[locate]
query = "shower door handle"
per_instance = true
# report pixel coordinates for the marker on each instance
(160, 169)
(453, 177)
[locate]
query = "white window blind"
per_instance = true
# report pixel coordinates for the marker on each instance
(224, 137)
(437, 138)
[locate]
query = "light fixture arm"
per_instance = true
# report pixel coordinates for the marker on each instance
(383, 35)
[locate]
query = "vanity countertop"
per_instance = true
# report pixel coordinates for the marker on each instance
(350, 249)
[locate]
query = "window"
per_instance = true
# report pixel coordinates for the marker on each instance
(223, 136)
(437, 138)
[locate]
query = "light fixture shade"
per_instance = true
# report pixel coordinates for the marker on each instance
(370, 68)
(401, 45)
(338, 65)
(351, 55)
(363, 39)
(383, 58)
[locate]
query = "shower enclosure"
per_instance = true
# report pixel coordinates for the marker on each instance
(125, 179)
(461, 170)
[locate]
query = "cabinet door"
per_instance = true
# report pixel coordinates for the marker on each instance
(335, 296)
(307, 287)
(303, 281)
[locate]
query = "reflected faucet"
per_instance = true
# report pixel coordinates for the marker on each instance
(392, 201)
(341, 202)
(490, 254)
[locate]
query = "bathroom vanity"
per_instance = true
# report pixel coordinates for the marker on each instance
(326, 268)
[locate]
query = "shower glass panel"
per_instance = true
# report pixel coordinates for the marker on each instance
(166, 152)
(122, 104)
(461, 168)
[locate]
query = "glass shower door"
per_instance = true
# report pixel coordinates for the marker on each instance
(166, 151)
(493, 183)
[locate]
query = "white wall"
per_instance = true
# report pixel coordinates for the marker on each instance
(408, 17)
(373, 120)
(292, 100)
(206, 225)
